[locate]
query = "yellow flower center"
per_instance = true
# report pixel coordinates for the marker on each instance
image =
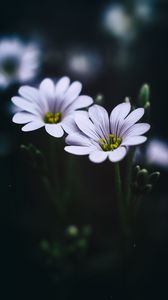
(52, 118)
(111, 143)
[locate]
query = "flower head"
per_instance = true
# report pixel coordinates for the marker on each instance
(102, 137)
(18, 62)
(51, 105)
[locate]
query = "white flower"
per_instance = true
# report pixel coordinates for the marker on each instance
(84, 63)
(51, 105)
(157, 152)
(19, 62)
(101, 136)
(118, 22)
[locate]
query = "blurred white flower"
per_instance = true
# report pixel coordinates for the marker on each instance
(19, 62)
(84, 63)
(102, 137)
(50, 106)
(157, 153)
(118, 22)
(144, 10)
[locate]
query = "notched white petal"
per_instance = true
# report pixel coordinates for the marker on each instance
(100, 118)
(81, 102)
(77, 139)
(32, 126)
(134, 140)
(118, 115)
(78, 150)
(69, 125)
(118, 154)
(98, 156)
(29, 93)
(137, 129)
(54, 130)
(62, 86)
(133, 117)
(22, 118)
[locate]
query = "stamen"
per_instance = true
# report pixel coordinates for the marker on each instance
(52, 118)
(111, 143)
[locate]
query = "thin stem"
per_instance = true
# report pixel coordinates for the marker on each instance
(121, 206)
(128, 178)
(118, 182)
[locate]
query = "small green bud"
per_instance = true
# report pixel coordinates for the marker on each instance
(23, 147)
(127, 100)
(136, 171)
(99, 99)
(142, 177)
(144, 95)
(153, 177)
(72, 231)
(147, 188)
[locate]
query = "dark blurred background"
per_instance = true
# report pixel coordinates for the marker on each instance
(112, 47)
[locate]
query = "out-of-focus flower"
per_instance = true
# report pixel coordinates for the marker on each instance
(50, 106)
(102, 137)
(125, 22)
(118, 22)
(84, 63)
(19, 62)
(157, 153)
(144, 10)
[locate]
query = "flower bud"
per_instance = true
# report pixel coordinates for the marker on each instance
(99, 99)
(136, 171)
(144, 95)
(142, 177)
(72, 231)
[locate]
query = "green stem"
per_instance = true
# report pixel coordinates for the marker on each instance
(128, 178)
(118, 182)
(121, 206)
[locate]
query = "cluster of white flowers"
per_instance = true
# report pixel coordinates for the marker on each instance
(57, 107)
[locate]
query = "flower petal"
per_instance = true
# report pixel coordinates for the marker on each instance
(78, 139)
(81, 102)
(29, 93)
(117, 116)
(33, 126)
(69, 125)
(85, 125)
(62, 86)
(47, 87)
(118, 154)
(71, 94)
(133, 117)
(100, 118)
(78, 150)
(54, 130)
(25, 105)
(60, 89)
(23, 117)
(47, 96)
(98, 156)
(134, 140)
(136, 129)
